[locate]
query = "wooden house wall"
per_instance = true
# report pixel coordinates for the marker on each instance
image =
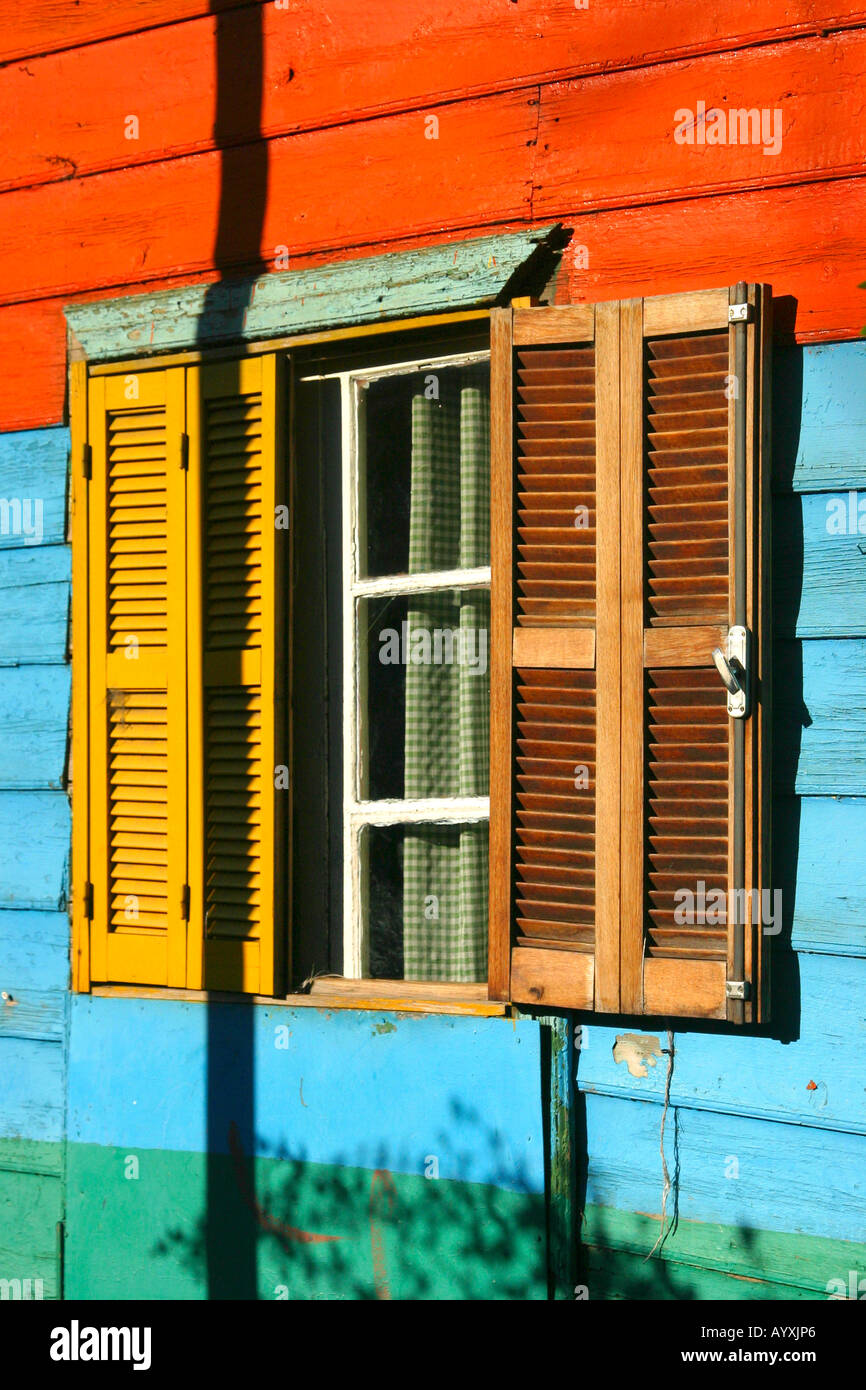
(315, 139)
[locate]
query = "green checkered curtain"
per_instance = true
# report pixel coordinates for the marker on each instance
(447, 701)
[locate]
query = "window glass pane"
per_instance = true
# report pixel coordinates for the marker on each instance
(428, 694)
(427, 902)
(427, 450)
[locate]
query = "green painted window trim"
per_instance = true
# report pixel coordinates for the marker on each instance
(449, 277)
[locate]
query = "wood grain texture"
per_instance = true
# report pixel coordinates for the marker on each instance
(819, 416)
(165, 216)
(820, 717)
(34, 712)
(34, 605)
(639, 160)
(618, 255)
(552, 979)
(732, 1073)
(569, 649)
(411, 54)
(33, 470)
(366, 290)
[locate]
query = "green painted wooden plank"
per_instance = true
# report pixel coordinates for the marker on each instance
(172, 1225)
(432, 279)
(31, 1155)
(31, 1205)
(619, 1276)
(799, 1266)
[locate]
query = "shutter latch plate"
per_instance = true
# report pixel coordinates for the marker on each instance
(736, 989)
(739, 313)
(733, 667)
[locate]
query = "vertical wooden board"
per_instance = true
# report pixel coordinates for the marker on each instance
(31, 1208)
(501, 630)
(195, 542)
(632, 580)
(608, 829)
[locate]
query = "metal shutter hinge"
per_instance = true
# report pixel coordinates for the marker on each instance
(88, 901)
(739, 313)
(184, 451)
(736, 989)
(86, 461)
(184, 902)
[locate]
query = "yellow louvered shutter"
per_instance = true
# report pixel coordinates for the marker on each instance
(237, 791)
(137, 679)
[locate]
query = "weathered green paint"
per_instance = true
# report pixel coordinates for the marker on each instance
(399, 1236)
(31, 1206)
(433, 279)
(702, 1260)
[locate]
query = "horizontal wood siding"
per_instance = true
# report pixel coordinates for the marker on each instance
(545, 113)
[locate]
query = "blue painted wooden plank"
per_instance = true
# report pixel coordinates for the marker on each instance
(34, 605)
(32, 1087)
(731, 1169)
(33, 471)
(819, 718)
(818, 1000)
(819, 576)
(32, 1013)
(34, 951)
(34, 720)
(430, 279)
(819, 864)
(368, 1090)
(34, 865)
(819, 417)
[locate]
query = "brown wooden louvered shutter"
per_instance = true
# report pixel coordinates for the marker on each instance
(554, 790)
(694, 778)
(653, 415)
(238, 792)
(137, 686)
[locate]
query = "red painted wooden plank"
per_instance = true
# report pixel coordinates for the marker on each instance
(808, 242)
(611, 140)
(349, 186)
(42, 26)
(365, 60)
(603, 140)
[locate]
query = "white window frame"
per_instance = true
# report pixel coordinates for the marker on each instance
(358, 811)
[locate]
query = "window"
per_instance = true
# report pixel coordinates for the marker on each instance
(483, 643)
(416, 505)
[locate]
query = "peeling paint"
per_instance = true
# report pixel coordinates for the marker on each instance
(638, 1051)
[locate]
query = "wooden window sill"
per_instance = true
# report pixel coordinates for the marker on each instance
(388, 996)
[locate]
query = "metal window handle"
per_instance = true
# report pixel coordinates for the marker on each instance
(733, 667)
(729, 679)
